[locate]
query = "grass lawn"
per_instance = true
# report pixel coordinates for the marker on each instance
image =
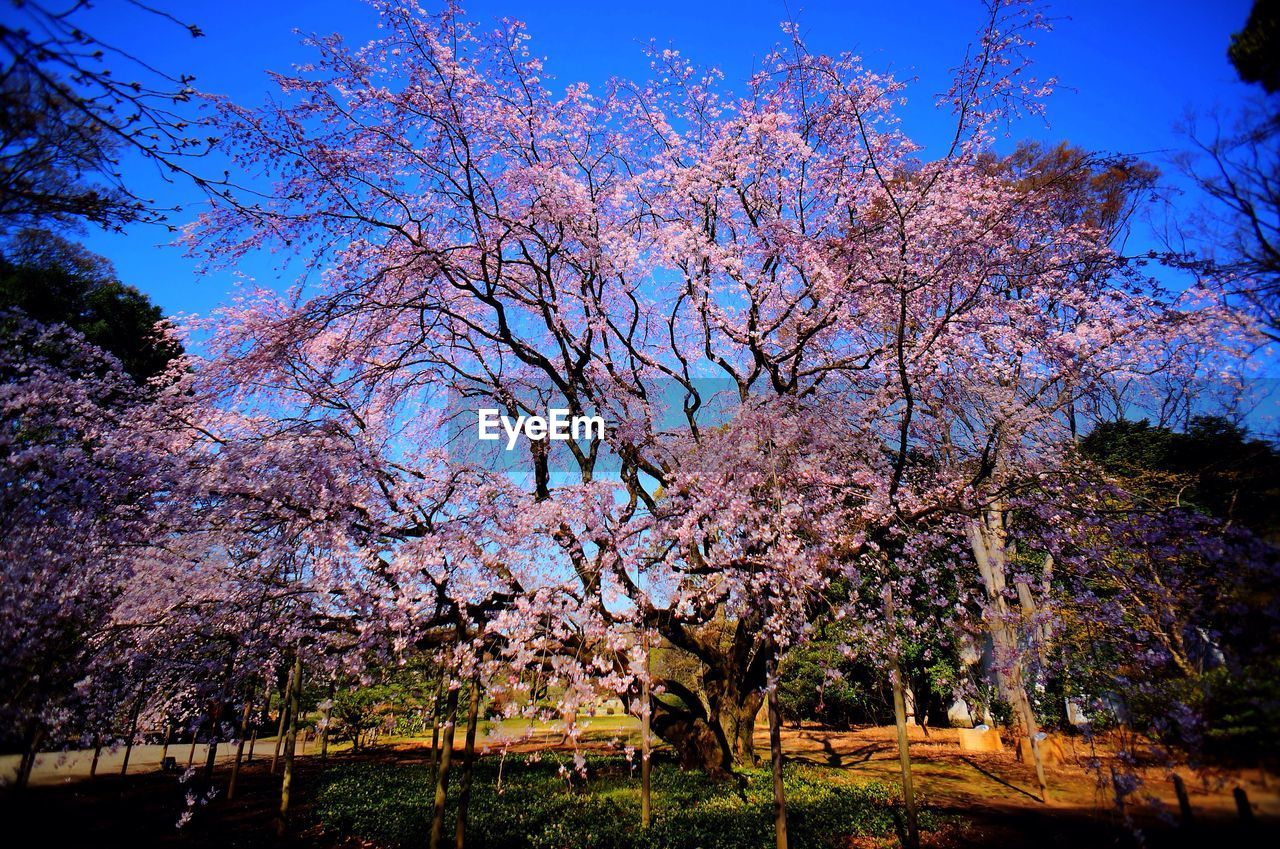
(542, 804)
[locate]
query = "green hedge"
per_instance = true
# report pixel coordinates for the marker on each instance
(389, 804)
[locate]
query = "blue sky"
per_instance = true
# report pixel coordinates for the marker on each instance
(1129, 70)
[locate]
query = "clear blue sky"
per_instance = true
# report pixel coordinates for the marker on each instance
(1129, 70)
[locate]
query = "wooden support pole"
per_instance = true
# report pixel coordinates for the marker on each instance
(442, 774)
(191, 755)
(468, 760)
(235, 765)
(288, 691)
(904, 742)
(775, 755)
(286, 785)
(646, 741)
(1184, 802)
(133, 732)
(168, 733)
(1242, 806)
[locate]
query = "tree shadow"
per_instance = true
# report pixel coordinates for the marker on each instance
(863, 754)
(998, 780)
(833, 757)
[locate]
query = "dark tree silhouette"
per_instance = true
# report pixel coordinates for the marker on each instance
(53, 280)
(71, 107)
(1214, 466)
(1255, 50)
(1234, 240)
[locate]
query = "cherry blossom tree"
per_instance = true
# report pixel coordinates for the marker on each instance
(80, 480)
(841, 373)
(676, 258)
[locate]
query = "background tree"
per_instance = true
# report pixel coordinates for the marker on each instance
(80, 471)
(1234, 163)
(1213, 467)
(1254, 49)
(54, 281)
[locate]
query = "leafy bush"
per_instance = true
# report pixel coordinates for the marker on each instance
(540, 808)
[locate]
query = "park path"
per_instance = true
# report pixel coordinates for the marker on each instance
(73, 765)
(68, 766)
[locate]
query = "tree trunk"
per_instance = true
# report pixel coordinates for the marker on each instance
(28, 762)
(713, 729)
(97, 753)
(988, 538)
(244, 729)
(775, 758)
(282, 822)
(284, 699)
(468, 760)
(442, 773)
(745, 752)
(695, 742)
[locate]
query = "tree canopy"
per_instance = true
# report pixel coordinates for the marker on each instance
(1254, 50)
(54, 281)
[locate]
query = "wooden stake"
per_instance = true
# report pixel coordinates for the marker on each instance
(904, 743)
(168, 732)
(1184, 802)
(1242, 806)
(235, 765)
(324, 735)
(775, 755)
(28, 762)
(646, 741)
(468, 760)
(191, 755)
(288, 691)
(291, 743)
(133, 732)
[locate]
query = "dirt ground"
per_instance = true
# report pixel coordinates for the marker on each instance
(990, 798)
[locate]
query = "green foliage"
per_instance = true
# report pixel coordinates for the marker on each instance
(542, 809)
(1213, 466)
(1238, 713)
(358, 711)
(1242, 712)
(400, 696)
(52, 281)
(836, 679)
(817, 683)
